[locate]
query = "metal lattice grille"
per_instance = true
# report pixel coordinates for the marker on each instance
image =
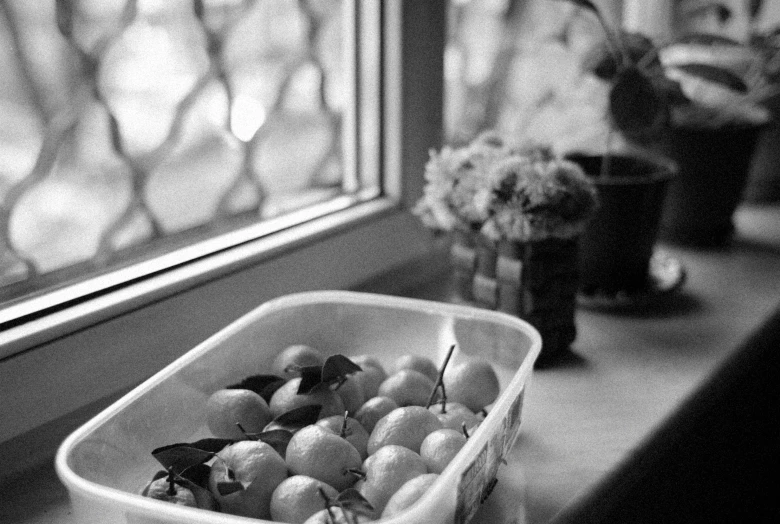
(136, 125)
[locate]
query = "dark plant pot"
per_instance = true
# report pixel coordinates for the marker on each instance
(714, 166)
(618, 242)
(536, 281)
(763, 184)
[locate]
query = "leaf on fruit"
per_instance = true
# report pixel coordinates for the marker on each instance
(182, 456)
(295, 419)
(232, 486)
(276, 438)
(333, 371)
(197, 474)
(263, 385)
(715, 74)
(311, 377)
(350, 499)
(336, 369)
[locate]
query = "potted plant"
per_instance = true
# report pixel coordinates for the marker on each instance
(514, 216)
(713, 137)
(619, 263)
(705, 116)
(699, 100)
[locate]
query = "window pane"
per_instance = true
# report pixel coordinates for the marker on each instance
(136, 127)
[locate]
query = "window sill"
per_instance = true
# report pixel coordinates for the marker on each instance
(582, 420)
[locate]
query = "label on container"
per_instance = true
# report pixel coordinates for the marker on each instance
(479, 478)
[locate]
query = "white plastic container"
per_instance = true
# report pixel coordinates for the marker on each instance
(106, 462)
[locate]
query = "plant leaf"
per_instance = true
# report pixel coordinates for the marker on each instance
(351, 499)
(715, 74)
(311, 377)
(295, 419)
(276, 438)
(197, 474)
(198, 8)
(182, 456)
(707, 39)
(203, 497)
(634, 102)
(263, 385)
(226, 488)
(64, 16)
(337, 367)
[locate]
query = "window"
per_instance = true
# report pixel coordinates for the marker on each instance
(81, 344)
(137, 127)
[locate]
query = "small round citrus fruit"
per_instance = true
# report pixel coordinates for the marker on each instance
(257, 467)
(161, 489)
(407, 387)
(454, 415)
(440, 447)
(226, 408)
(298, 497)
(408, 494)
(319, 453)
(472, 383)
(286, 398)
(418, 363)
(287, 364)
(386, 471)
(374, 409)
(405, 426)
(354, 432)
(370, 378)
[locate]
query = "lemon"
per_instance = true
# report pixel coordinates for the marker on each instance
(289, 361)
(440, 447)
(258, 467)
(374, 409)
(408, 494)
(418, 363)
(454, 415)
(286, 398)
(298, 497)
(472, 383)
(405, 426)
(407, 387)
(355, 433)
(227, 407)
(386, 471)
(319, 453)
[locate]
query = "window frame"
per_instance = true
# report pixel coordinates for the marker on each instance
(62, 362)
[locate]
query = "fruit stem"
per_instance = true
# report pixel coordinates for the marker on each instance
(171, 483)
(357, 472)
(464, 430)
(344, 425)
(440, 382)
